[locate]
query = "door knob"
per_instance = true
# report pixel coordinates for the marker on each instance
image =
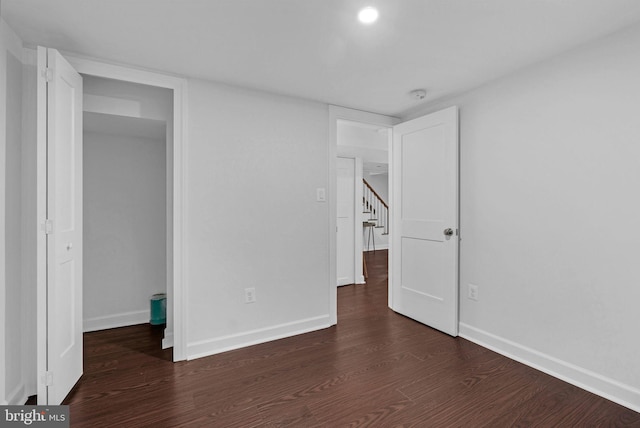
(448, 232)
(69, 246)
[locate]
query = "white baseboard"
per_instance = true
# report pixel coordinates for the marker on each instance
(116, 320)
(17, 397)
(344, 281)
(218, 345)
(167, 340)
(603, 386)
(378, 247)
(359, 280)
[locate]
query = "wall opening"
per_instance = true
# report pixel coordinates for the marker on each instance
(127, 200)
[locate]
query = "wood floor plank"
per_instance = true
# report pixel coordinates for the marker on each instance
(375, 368)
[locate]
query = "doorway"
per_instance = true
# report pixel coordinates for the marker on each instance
(175, 333)
(363, 185)
(126, 200)
(424, 234)
(48, 96)
(365, 138)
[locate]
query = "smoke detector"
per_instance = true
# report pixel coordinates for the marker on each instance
(418, 94)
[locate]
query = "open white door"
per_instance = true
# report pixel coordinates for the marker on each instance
(423, 268)
(60, 155)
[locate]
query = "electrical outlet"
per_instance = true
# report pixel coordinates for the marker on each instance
(249, 295)
(473, 292)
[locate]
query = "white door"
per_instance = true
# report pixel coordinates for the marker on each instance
(346, 220)
(62, 323)
(423, 274)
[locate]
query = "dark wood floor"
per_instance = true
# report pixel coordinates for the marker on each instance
(375, 368)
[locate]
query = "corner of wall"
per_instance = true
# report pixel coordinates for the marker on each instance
(603, 386)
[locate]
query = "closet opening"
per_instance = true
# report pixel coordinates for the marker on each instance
(127, 203)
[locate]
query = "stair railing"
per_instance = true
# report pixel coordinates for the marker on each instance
(373, 203)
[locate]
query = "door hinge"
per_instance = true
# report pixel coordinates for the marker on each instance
(47, 227)
(47, 73)
(47, 378)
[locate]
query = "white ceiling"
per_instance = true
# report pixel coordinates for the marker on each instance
(316, 49)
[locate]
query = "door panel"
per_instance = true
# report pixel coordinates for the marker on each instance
(345, 241)
(64, 239)
(424, 203)
(420, 277)
(420, 201)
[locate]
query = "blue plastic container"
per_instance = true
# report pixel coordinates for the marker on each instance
(158, 309)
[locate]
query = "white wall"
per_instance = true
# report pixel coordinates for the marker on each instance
(124, 228)
(12, 388)
(549, 215)
(380, 183)
(254, 163)
(13, 226)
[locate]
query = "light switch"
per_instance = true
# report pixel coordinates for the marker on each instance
(321, 194)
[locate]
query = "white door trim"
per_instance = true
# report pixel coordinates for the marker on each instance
(353, 276)
(357, 218)
(179, 87)
(342, 113)
(41, 238)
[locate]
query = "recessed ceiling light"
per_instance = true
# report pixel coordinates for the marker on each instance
(368, 15)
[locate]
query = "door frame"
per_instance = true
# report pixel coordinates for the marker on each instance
(337, 113)
(178, 288)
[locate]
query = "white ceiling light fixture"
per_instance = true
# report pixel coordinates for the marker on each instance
(368, 15)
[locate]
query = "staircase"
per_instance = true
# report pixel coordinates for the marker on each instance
(375, 210)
